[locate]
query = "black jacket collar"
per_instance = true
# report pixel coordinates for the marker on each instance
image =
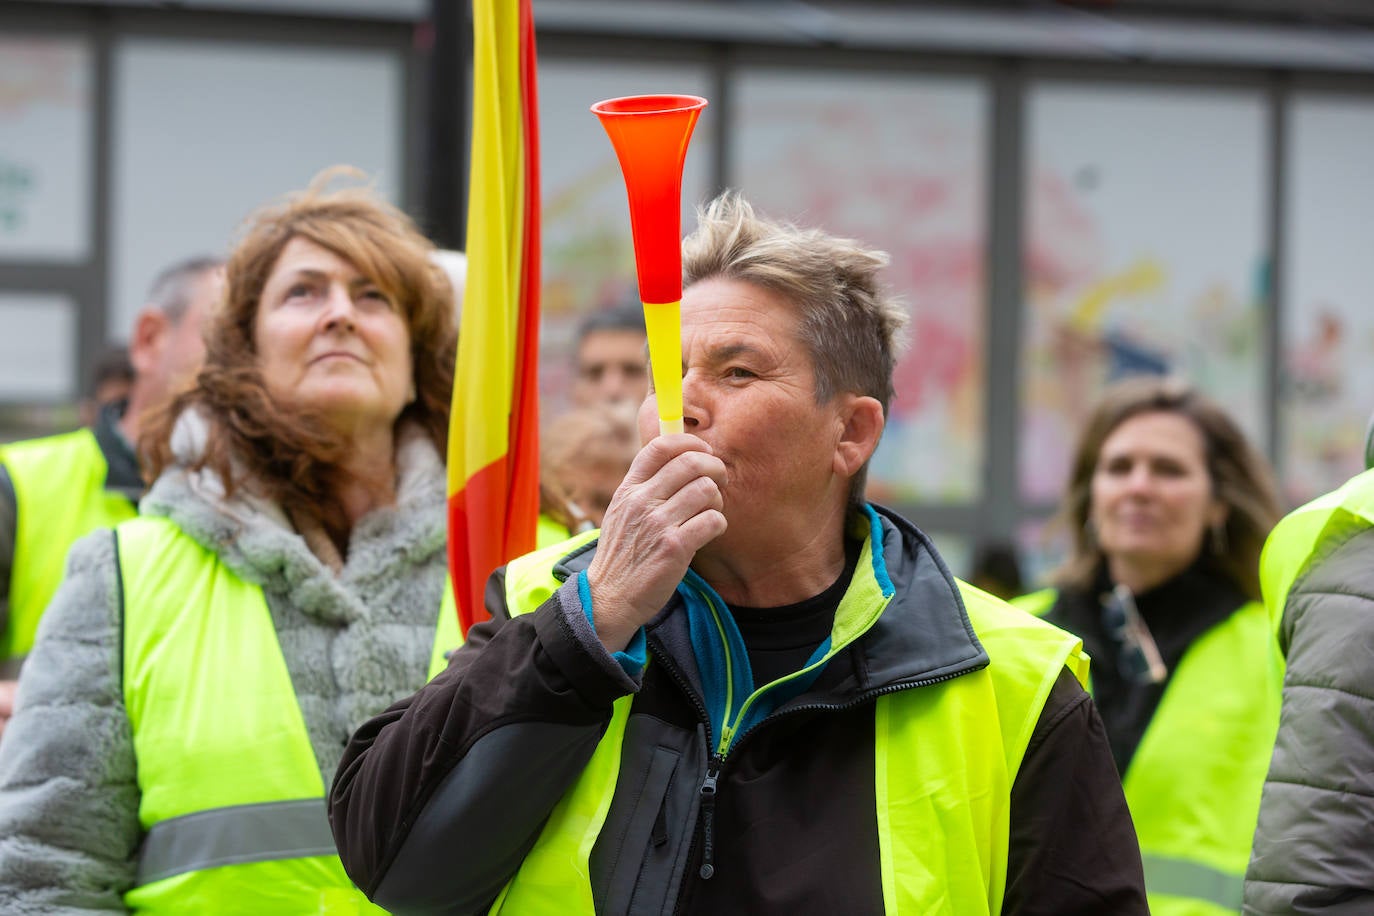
(122, 474)
(924, 633)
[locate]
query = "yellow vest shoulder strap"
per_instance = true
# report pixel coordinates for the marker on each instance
(530, 580)
(1038, 603)
(1299, 535)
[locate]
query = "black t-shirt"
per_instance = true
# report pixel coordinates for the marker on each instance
(781, 639)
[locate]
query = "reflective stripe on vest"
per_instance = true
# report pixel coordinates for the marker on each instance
(60, 496)
(1180, 886)
(234, 836)
(231, 795)
(1193, 785)
(942, 841)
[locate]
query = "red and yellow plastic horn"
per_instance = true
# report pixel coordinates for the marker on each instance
(650, 134)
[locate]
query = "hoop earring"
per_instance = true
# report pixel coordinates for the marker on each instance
(1220, 546)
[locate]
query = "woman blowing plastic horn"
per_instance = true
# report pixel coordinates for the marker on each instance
(201, 667)
(1170, 507)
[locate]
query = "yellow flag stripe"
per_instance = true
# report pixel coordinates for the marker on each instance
(479, 427)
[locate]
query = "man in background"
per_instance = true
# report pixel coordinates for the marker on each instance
(612, 359)
(586, 451)
(111, 378)
(59, 488)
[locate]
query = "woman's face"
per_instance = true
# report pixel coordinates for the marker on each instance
(329, 339)
(1152, 499)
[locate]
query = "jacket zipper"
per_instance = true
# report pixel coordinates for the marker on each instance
(666, 661)
(710, 783)
(708, 817)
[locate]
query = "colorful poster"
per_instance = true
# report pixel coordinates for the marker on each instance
(899, 163)
(45, 149)
(1144, 253)
(1327, 386)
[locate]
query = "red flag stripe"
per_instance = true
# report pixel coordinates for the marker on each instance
(494, 444)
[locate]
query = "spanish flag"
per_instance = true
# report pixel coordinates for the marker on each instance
(493, 446)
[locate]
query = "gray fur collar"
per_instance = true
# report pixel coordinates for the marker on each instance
(254, 538)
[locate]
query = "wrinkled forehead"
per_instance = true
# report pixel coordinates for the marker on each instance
(730, 314)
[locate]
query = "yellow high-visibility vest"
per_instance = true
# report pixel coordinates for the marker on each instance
(231, 797)
(60, 495)
(946, 757)
(1194, 783)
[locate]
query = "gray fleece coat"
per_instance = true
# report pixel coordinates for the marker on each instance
(354, 641)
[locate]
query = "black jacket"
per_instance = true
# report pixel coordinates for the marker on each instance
(438, 800)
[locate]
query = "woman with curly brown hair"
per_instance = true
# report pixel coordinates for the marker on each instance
(202, 666)
(1169, 506)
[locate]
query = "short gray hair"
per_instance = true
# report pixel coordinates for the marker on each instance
(172, 289)
(851, 325)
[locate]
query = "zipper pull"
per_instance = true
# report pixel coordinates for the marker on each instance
(708, 817)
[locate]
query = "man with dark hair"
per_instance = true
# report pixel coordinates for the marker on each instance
(111, 377)
(57, 489)
(612, 362)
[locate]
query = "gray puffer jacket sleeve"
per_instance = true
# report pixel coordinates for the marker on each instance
(68, 791)
(1314, 847)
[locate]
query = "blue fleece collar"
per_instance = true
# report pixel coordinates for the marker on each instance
(875, 538)
(723, 660)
